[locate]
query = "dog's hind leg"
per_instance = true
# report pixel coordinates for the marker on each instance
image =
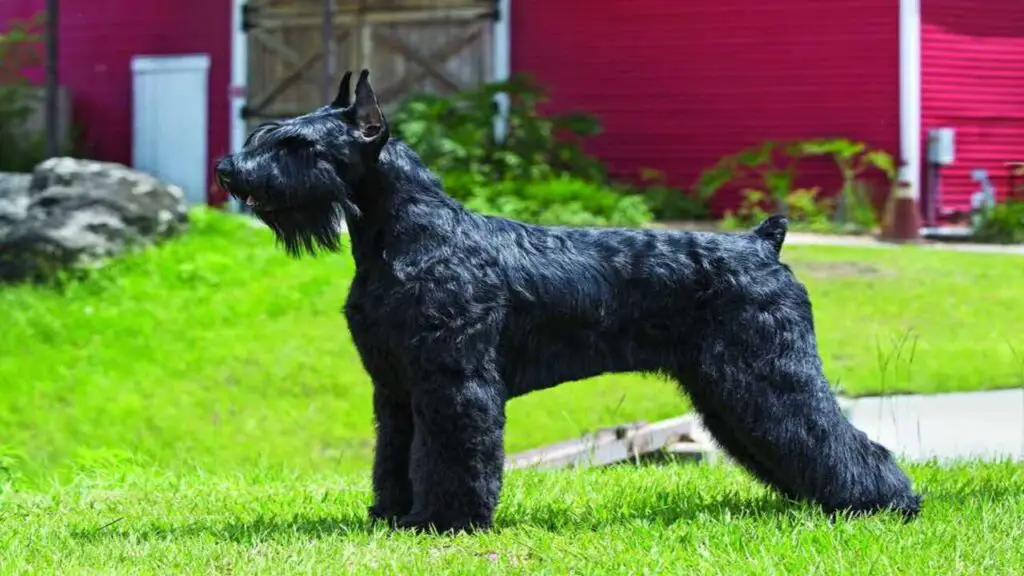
(458, 454)
(760, 376)
(721, 429)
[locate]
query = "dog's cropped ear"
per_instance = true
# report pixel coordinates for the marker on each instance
(366, 113)
(344, 97)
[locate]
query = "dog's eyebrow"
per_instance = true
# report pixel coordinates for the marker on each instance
(262, 129)
(269, 124)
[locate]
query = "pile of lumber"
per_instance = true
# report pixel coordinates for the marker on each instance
(681, 437)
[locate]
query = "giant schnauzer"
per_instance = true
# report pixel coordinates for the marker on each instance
(455, 313)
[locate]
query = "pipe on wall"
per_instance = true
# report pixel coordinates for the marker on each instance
(501, 66)
(52, 78)
(239, 80)
(910, 95)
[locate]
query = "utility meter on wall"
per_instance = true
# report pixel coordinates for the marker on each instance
(941, 146)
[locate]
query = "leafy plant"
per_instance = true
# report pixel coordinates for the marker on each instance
(750, 211)
(853, 159)
(563, 200)
(769, 166)
(538, 172)
(804, 206)
(456, 134)
(20, 49)
(666, 202)
(1002, 224)
(809, 210)
(861, 216)
(711, 180)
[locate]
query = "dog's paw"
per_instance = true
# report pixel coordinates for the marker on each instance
(378, 514)
(424, 523)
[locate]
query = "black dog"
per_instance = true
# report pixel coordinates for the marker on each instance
(455, 313)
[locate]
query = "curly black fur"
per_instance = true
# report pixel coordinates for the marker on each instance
(455, 313)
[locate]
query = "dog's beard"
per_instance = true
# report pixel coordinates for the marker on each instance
(307, 229)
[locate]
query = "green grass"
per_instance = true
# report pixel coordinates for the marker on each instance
(219, 352)
(199, 407)
(915, 320)
(678, 519)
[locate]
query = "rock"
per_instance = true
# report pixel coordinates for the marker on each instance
(13, 200)
(77, 213)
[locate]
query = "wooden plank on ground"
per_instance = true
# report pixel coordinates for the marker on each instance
(683, 435)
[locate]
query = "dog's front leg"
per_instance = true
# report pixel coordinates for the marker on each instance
(392, 489)
(458, 455)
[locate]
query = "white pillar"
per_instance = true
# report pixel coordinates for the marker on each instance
(501, 67)
(239, 79)
(910, 94)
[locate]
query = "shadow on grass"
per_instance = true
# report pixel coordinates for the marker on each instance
(976, 489)
(542, 517)
(552, 519)
(259, 529)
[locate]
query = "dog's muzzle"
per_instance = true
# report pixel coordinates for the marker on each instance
(224, 173)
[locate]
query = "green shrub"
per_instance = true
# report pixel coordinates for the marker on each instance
(562, 200)
(456, 134)
(20, 150)
(859, 213)
(668, 203)
(803, 206)
(538, 172)
(854, 209)
(19, 49)
(1002, 224)
(770, 168)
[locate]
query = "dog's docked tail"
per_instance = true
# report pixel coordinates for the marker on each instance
(773, 231)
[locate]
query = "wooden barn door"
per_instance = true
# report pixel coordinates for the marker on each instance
(409, 46)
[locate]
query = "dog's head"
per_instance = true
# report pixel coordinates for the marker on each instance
(299, 175)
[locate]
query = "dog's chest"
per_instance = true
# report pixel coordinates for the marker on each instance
(372, 298)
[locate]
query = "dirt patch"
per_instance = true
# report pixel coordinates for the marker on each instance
(840, 269)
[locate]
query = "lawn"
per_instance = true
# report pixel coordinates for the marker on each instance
(217, 352)
(679, 519)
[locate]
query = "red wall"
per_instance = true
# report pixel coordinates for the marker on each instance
(98, 39)
(18, 9)
(678, 84)
(973, 80)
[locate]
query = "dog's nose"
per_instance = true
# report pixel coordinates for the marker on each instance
(222, 173)
(224, 168)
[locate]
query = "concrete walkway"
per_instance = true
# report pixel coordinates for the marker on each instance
(803, 238)
(807, 238)
(982, 425)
